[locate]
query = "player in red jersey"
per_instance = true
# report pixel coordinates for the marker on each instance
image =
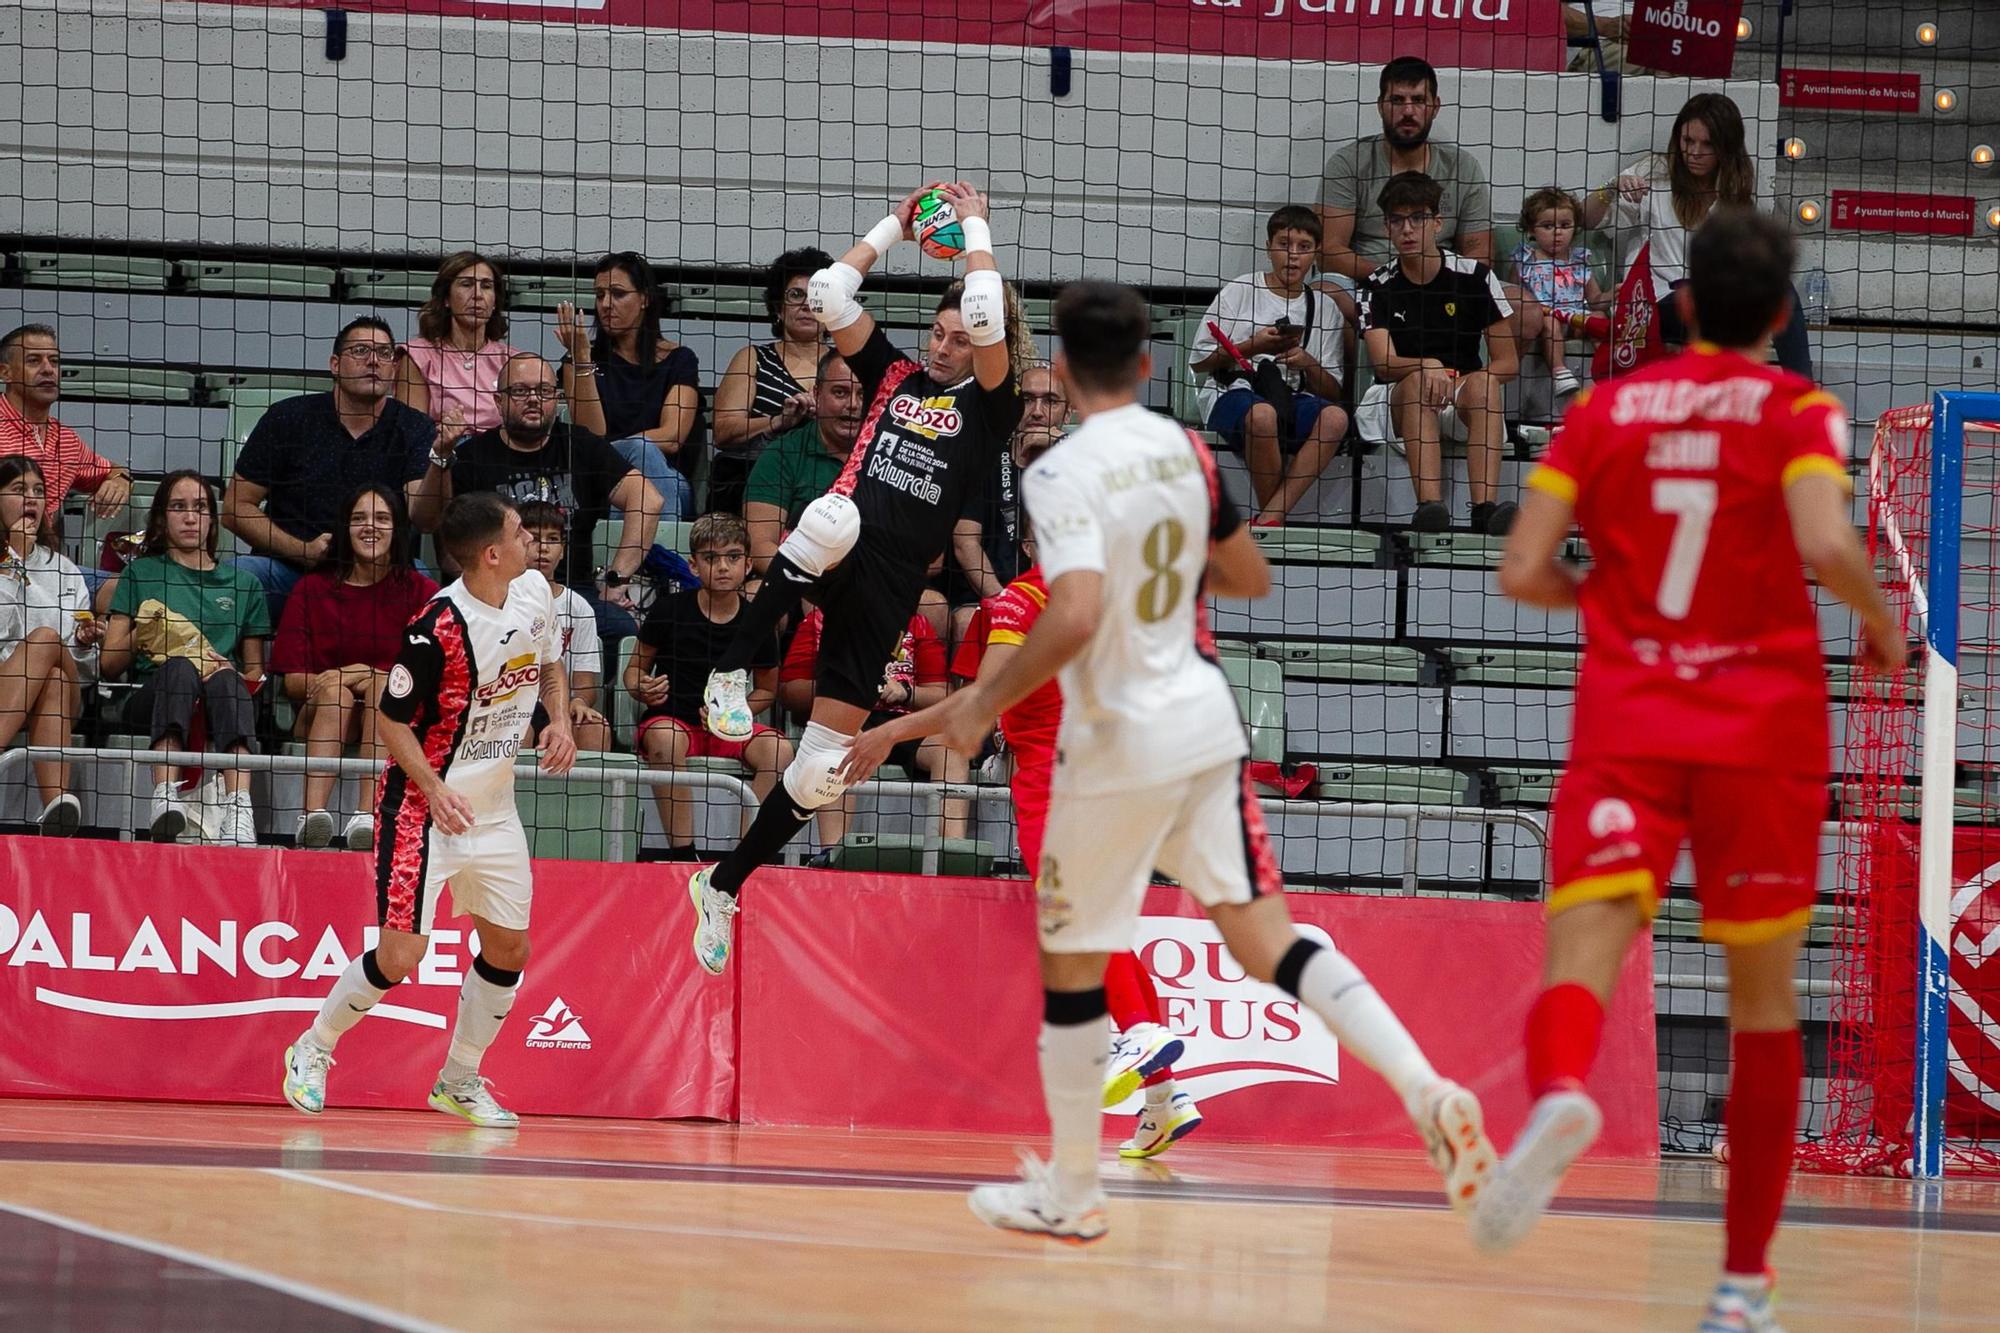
(1702, 484)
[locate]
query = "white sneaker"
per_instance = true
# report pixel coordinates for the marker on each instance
(359, 835)
(306, 1063)
(468, 1099)
(1161, 1127)
(727, 698)
(1030, 1204)
(1454, 1133)
(169, 819)
(1561, 1126)
(1137, 1053)
(315, 829)
(714, 913)
(61, 817)
(239, 827)
(1565, 382)
(1742, 1305)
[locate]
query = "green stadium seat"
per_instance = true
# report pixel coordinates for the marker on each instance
(1969, 803)
(378, 286)
(1525, 786)
(719, 301)
(1350, 547)
(1546, 668)
(1393, 784)
(544, 291)
(903, 854)
(1183, 326)
(1260, 695)
(580, 820)
(138, 384)
(45, 269)
(1371, 663)
(231, 278)
(901, 309)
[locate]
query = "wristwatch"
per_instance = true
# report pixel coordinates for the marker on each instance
(440, 462)
(613, 579)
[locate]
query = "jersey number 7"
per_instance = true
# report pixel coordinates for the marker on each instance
(1692, 503)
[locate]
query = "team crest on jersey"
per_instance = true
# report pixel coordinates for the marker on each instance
(1053, 908)
(400, 681)
(519, 671)
(931, 418)
(1611, 816)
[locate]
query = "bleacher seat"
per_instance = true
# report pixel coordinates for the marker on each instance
(1320, 546)
(1547, 668)
(1260, 697)
(1395, 784)
(1387, 663)
(386, 286)
(580, 820)
(903, 854)
(236, 278)
(135, 272)
(140, 384)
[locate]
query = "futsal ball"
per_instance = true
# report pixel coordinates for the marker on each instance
(937, 227)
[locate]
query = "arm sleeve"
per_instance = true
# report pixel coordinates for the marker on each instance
(255, 607)
(1338, 184)
(125, 596)
(1496, 297)
(1817, 439)
(1009, 616)
(1368, 304)
(92, 467)
(420, 437)
(586, 646)
(683, 367)
(419, 667)
(1068, 535)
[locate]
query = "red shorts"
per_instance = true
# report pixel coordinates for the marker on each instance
(1618, 825)
(1031, 815)
(703, 743)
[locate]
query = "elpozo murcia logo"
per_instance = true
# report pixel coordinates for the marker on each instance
(1240, 1032)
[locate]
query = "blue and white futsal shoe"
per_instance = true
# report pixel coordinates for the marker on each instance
(1031, 1204)
(1138, 1053)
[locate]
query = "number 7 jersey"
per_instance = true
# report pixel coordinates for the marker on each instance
(1133, 497)
(1700, 640)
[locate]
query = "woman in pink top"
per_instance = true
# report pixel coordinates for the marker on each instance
(450, 368)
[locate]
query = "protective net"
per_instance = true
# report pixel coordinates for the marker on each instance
(1868, 938)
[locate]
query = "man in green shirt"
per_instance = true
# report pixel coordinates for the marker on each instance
(801, 465)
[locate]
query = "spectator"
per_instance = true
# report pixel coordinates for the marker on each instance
(1423, 318)
(31, 361)
(342, 628)
(629, 384)
(987, 541)
(192, 633)
(767, 389)
(914, 678)
(308, 454)
(679, 644)
(48, 637)
(1353, 240)
(583, 649)
(533, 456)
(1613, 16)
(802, 464)
(1661, 199)
(1295, 332)
(449, 370)
(1551, 267)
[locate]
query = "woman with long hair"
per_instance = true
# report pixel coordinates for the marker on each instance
(449, 370)
(630, 383)
(1665, 197)
(45, 628)
(341, 629)
(767, 389)
(191, 630)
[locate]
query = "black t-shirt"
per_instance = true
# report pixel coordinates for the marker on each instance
(996, 507)
(573, 470)
(303, 456)
(634, 396)
(687, 645)
(924, 449)
(1444, 319)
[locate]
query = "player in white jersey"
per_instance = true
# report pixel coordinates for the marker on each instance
(472, 667)
(1131, 528)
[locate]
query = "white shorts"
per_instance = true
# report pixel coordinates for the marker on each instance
(1100, 852)
(487, 869)
(1377, 422)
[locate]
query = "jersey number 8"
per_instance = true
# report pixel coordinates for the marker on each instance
(1161, 592)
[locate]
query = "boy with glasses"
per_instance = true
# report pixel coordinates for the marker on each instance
(582, 647)
(1423, 317)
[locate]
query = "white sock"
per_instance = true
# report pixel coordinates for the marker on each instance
(1160, 1094)
(483, 1005)
(1073, 1060)
(352, 997)
(1333, 987)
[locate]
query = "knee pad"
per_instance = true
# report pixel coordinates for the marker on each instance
(826, 532)
(813, 777)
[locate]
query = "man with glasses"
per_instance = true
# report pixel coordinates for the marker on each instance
(1353, 241)
(802, 463)
(307, 454)
(533, 456)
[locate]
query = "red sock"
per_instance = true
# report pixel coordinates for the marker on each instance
(1762, 1124)
(1128, 991)
(1563, 1030)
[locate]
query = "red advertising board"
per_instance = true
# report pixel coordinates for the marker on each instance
(180, 973)
(1852, 90)
(1470, 34)
(1913, 214)
(1696, 38)
(915, 1004)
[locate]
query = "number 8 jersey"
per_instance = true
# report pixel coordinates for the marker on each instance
(1700, 640)
(1134, 497)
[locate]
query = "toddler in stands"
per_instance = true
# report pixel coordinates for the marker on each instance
(1550, 266)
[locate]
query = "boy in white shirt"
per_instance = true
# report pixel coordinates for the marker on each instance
(1301, 331)
(583, 650)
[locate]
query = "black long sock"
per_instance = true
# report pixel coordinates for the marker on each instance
(785, 586)
(777, 823)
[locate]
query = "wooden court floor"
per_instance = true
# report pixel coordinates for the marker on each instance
(147, 1216)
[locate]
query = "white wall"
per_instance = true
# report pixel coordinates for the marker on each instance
(225, 125)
